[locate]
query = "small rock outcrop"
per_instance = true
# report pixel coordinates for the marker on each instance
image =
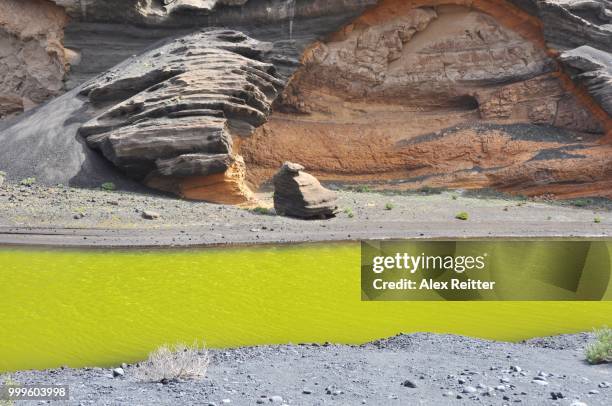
(299, 194)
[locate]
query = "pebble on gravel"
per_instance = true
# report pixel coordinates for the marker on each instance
(118, 372)
(556, 395)
(409, 384)
(150, 215)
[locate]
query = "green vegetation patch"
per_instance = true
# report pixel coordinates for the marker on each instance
(262, 210)
(462, 216)
(600, 351)
(28, 181)
(108, 186)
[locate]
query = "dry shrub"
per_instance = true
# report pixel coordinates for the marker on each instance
(600, 351)
(173, 363)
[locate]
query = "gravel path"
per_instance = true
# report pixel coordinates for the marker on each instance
(42, 215)
(413, 369)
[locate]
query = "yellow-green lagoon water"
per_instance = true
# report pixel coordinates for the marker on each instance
(86, 308)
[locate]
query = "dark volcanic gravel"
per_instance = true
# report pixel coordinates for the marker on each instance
(413, 369)
(60, 215)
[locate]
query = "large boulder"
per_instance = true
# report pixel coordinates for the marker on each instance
(299, 194)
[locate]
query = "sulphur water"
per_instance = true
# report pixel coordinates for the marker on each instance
(82, 308)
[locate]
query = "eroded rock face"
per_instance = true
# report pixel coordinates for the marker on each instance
(592, 69)
(419, 94)
(462, 93)
(173, 111)
(299, 194)
(166, 118)
(32, 58)
(130, 9)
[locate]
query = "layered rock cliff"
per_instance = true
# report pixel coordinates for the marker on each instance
(32, 58)
(423, 93)
(514, 95)
(174, 109)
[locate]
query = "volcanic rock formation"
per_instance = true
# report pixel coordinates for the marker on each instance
(32, 58)
(421, 93)
(165, 118)
(510, 94)
(174, 108)
(299, 194)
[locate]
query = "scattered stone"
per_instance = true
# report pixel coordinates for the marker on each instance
(556, 395)
(469, 389)
(605, 384)
(118, 372)
(593, 392)
(78, 216)
(409, 384)
(150, 215)
(306, 391)
(332, 390)
(578, 403)
(276, 399)
(516, 368)
(299, 194)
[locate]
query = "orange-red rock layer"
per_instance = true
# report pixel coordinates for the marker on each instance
(419, 93)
